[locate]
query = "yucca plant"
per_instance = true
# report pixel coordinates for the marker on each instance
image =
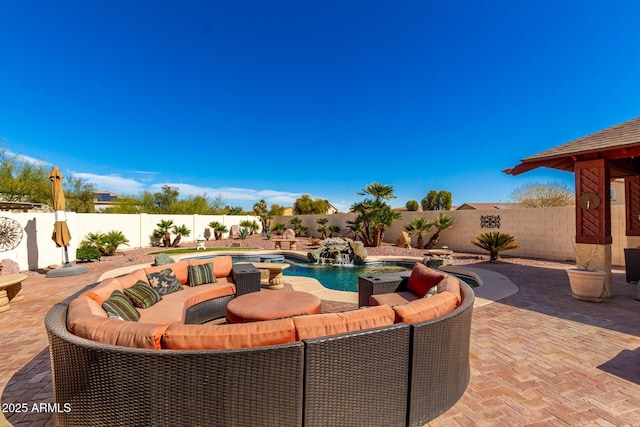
(495, 242)
(419, 227)
(443, 222)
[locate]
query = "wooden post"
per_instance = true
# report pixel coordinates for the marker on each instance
(593, 215)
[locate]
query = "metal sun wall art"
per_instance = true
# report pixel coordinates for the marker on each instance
(490, 221)
(10, 234)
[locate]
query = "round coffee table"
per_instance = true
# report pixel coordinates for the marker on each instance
(268, 305)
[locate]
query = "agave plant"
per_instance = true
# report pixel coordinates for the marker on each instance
(180, 230)
(495, 242)
(443, 222)
(419, 226)
(243, 233)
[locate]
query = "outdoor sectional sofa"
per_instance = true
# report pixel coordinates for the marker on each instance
(361, 367)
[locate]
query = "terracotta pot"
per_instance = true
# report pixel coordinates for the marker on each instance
(587, 285)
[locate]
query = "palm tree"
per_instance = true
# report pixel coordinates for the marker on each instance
(180, 230)
(373, 218)
(279, 228)
(495, 242)
(250, 226)
(378, 191)
(164, 226)
(323, 228)
(419, 227)
(218, 229)
(443, 222)
(298, 228)
(111, 241)
(260, 209)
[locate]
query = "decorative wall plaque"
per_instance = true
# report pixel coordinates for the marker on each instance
(10, 234)
(490, 221)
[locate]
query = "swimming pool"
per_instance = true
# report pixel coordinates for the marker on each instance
(338, 278)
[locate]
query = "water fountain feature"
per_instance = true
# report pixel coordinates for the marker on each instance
(338, 251)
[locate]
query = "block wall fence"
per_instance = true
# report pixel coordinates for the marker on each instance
(541, 233)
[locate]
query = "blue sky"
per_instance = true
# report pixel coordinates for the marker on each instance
(254, 100)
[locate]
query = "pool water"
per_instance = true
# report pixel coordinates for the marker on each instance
(338, 278)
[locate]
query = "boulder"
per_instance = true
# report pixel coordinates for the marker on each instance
(9, 266)
(435, 261)
(234, 232)
(289, 234)
(403, 240)
(359, 251)
(163, 259)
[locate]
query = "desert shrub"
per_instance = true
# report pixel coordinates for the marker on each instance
(106, 243)
(87, 253)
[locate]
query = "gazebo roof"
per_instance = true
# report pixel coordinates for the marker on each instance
(619, 143)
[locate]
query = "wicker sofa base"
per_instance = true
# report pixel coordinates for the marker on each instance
(389, 376)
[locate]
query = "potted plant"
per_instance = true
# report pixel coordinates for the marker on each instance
(586, 283)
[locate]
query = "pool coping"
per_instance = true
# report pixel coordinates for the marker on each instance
(493, 286)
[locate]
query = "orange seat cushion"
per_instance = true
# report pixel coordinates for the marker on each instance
(426, 308)
(451, 284)
(80, 307)
(119, 332)
(326, 324)
(219, 337)
(423, 278)
(392, 298)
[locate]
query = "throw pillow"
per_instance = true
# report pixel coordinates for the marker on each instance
(422, 279)
(165, 281)
(142, 295)
(201, 274)
(118, 306)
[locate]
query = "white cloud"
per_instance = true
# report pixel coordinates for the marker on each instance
(26, 159)
(231, 195)
(115, 183)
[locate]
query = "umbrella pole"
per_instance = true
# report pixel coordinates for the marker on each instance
(66, 257)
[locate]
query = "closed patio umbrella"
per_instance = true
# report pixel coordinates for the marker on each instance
(61, 234)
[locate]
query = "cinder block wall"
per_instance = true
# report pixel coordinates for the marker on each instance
(541, 233)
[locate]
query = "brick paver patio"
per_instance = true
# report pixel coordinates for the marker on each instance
(538, 357)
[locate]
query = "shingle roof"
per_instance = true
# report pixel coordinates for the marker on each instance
(618, 136)
(619, 143)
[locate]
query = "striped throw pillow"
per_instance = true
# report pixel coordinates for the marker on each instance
(201, 274)
(142, 295)
(119, 306)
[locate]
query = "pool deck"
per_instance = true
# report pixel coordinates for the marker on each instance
(538, 356)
